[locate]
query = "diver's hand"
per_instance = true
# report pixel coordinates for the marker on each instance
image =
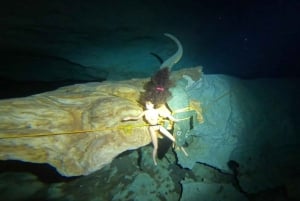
(176, 120)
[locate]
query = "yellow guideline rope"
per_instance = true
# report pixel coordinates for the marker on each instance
(182, 110)
(127, 127)
(186, 109)
(184, 119)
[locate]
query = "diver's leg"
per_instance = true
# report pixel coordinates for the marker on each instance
(154, 142)
(170, 136)
(166, 133)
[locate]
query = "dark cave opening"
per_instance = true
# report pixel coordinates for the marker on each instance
(45, 172)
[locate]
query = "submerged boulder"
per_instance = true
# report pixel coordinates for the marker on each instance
(250, 129)
(77, 129)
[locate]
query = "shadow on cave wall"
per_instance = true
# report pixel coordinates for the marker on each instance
(25, 73)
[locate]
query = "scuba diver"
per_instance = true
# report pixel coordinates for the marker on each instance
(155, 97)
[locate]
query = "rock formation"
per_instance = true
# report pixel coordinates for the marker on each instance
(77, 129)
(251, 123)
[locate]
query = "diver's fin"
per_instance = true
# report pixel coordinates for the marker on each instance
(175, 57)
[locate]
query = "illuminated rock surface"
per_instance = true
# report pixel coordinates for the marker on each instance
(72, 109)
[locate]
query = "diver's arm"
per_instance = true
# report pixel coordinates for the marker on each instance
(172, 118)
(134, 118)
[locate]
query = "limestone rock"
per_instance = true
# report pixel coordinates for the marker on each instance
(77, 129)
(193, 191)
(19, 186)
(252, 122)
